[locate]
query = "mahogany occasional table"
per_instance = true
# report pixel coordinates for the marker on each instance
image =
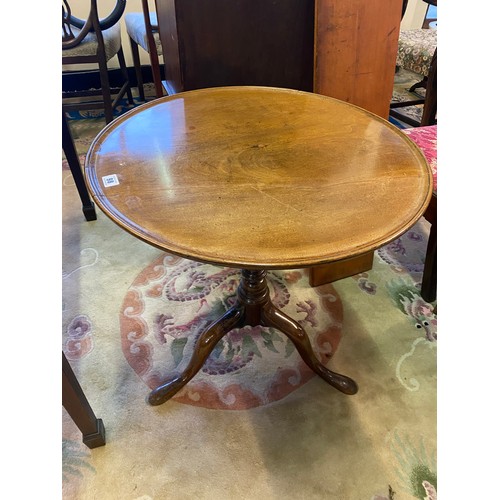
(257, 178)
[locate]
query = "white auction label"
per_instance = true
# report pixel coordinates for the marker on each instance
(110, 180)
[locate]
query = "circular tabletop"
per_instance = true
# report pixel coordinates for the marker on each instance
(258, 177)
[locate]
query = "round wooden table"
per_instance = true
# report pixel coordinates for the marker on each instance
(257, 178)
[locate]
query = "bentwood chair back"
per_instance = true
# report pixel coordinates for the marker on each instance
(94, 41)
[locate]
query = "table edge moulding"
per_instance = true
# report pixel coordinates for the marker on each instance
(257, 178)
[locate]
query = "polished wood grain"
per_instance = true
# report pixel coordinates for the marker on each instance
(356, 43)
(355, 59)
(261, 178)
(257, 178)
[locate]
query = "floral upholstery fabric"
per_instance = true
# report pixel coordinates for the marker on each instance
(415, 50)
(136, 30)
(426, 139)
(88, 46)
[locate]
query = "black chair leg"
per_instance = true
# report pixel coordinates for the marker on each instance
(79, 409)
(429, 278)
(106, 89)
(76, 170)
(429, 114)
(421, 84)
(123, 68)
(137, 66)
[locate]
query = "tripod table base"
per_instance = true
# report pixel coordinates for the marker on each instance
(253, 307)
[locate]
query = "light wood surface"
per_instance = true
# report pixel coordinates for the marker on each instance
(356, 43)
(258, 178)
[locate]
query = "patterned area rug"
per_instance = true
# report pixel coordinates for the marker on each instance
(174, 300)
(255, 422)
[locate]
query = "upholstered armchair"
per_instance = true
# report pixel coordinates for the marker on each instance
(417, 52)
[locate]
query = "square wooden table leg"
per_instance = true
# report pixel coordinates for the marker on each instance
(79, 409)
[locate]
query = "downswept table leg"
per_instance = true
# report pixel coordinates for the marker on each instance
(253, 307)
(202, 349)
(273, 317)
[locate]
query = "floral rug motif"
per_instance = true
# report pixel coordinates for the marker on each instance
(406, 253)
(174, 300)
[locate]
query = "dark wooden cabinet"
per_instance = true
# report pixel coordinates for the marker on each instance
(210, 43)
(340, 48)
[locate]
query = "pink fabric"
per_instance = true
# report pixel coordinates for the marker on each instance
(426, 139)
